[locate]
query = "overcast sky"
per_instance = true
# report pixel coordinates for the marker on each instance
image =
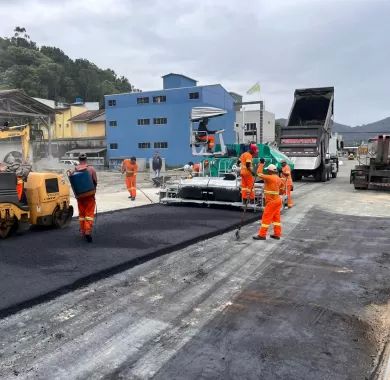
(282, 44)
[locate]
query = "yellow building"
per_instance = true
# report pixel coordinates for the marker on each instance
(89, 124)
(76, 121)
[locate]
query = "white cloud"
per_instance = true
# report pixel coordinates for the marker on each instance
(283, 44)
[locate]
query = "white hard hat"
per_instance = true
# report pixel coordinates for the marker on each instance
(271, 168)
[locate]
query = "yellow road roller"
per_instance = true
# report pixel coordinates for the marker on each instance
(45, 201)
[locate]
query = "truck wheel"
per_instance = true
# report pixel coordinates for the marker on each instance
(296, 176)
(357, 187)
(320, 175)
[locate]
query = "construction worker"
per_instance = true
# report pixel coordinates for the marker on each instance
(86, 205)
(260, 167)
(130, 167)
(247, 175)
(273, 187)
(205, 135)
(286, 173)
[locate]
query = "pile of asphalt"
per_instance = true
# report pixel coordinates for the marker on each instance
(41, 264)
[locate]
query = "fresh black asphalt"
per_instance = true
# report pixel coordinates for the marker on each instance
(40, 264)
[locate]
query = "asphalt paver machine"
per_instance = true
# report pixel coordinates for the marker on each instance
(218, 181)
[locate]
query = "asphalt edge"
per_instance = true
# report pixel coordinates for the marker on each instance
(100, 275)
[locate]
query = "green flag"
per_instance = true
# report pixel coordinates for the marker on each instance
(254, 88)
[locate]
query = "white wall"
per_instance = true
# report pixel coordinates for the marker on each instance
(253, 116)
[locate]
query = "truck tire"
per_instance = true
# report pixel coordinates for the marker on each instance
(296, 176)
(320, 174)
(357, 187)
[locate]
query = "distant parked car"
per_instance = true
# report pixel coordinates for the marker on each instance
(69, 162)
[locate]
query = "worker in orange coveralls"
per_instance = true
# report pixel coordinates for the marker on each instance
(247, 175)
(286, 173)
(130, 167)
(206, 135)
(87, 204)
(273, 187)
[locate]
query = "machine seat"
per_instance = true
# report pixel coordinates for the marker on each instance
(8, 192)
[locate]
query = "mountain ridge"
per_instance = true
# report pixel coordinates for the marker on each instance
(355, 135)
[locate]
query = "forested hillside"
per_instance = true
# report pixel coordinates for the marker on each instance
(47, 72)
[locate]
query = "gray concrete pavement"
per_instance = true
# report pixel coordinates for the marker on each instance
(312, 306)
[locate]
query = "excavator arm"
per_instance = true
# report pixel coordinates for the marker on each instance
(22, 131)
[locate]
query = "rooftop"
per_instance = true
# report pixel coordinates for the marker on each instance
(180, 75)
(88, 115)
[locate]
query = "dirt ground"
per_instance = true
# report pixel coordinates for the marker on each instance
(315, 305)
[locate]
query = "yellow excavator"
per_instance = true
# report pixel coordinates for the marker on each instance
(30, 198)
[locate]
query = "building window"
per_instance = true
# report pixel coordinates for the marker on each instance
(193, 95)
(160, 120)
(113, 146)
(250, 126)
(143, 100)
(144, 145)
(112, 103)
(159, 99)
(143, 121)
(113, 123)
(160, 145)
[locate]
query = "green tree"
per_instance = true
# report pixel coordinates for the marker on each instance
(48, 72)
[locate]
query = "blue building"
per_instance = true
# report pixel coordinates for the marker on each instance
(138, 124)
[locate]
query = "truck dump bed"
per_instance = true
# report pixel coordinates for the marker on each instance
(305, 138)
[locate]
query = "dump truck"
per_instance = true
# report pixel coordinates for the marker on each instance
(218, 181)
(306, 135)
(373, 170)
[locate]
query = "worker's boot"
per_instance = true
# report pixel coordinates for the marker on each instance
(258, 237)
(275, 237)
(133, 198)
(88, 238)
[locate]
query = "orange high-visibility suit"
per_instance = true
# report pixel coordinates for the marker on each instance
(131, 170)
(19, 187)
(87, 205)
(247, 178)
(210, 139)
(273, 186)
(286, 172)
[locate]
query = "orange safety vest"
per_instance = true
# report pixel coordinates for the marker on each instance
(129, 168)
(244, 159)
(273, 186)
(286, 171)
